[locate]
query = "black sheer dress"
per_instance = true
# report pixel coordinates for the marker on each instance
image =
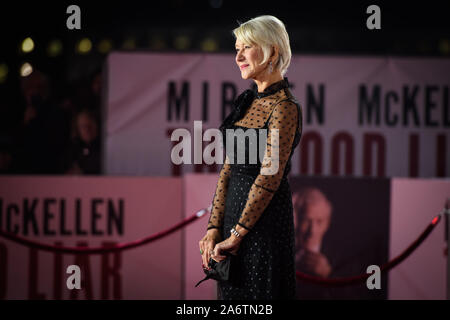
(257, 195)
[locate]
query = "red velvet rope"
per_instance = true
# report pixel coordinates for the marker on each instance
(335, 282)
(100, 250)
(344, 281)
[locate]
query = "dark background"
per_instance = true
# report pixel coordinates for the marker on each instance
(319, 27)
(411, 28)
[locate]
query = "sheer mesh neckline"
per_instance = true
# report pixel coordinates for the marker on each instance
(274, 87)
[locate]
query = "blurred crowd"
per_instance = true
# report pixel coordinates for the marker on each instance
(52, 131)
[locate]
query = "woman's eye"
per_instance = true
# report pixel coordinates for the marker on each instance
(245, 47)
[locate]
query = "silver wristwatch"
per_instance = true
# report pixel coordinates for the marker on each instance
(233, 231)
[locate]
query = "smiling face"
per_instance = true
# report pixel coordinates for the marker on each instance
(248, 58)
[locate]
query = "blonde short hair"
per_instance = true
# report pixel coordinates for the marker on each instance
(267, 31)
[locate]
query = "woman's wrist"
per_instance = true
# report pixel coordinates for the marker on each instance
(241, 230)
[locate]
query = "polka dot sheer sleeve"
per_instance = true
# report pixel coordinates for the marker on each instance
(282, 127)
(218, 204)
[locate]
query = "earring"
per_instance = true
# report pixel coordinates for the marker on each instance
(270, 67)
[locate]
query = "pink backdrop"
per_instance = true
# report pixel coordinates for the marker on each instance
(150, 205)
(198, 193)
(145, 90)
(170, 267)
(414, 203)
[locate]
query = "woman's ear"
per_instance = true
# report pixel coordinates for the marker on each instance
(274, 52)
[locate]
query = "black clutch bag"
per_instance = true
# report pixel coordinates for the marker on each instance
(225, 270)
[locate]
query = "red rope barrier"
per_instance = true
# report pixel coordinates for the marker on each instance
(300, 275)
(344, 281)
(100, 250)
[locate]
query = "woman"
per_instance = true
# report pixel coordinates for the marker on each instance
(252, 206)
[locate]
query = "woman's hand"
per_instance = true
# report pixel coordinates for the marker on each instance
(230, 244)
(207, 244)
